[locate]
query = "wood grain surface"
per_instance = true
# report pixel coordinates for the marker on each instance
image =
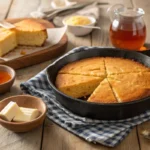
(144, 143)
(50, 136)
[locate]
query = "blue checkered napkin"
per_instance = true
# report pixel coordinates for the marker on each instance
(109, 133)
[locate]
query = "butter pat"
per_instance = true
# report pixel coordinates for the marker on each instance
(26, 114)
(9, 112)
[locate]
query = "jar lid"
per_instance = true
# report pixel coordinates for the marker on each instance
(132, 13)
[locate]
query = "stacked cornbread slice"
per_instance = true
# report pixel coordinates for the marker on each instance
(105, 80)
(7, 41)
(28, 32)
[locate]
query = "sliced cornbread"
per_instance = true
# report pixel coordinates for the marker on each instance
(120, 80)
(132, 86)
(7, 41)
(103, 94)
(77, 85)
(120, 65)
(30, 33)
(90, 66)
(96, 73)
(141, 79)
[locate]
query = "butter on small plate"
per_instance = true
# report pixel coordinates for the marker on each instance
(12, 112)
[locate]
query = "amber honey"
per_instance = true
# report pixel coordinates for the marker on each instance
(128, 37)
(4, 77)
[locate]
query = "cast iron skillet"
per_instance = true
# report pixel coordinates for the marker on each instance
(96, 110)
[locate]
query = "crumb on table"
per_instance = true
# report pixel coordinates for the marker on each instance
(23, 52)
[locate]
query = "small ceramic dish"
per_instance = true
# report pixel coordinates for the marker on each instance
(79, 30)
(28, 102)
(4, 87)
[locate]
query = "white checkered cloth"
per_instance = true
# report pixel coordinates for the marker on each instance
(109, 133)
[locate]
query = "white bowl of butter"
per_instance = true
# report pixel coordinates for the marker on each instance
(75, 24)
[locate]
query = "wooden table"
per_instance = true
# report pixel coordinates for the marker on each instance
(50, 136)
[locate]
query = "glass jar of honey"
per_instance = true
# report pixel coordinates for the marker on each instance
(127, 30)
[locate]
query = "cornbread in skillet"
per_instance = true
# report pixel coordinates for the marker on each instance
(120, 80)
(131, 86)
(103, 94)
(141, 79)
(120, 65)
(30, 33)
(77, 85)
(89, 66)
(7, 41)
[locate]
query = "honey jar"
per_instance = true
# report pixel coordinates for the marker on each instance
(127, 30)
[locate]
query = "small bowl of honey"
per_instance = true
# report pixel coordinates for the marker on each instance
(7, 77)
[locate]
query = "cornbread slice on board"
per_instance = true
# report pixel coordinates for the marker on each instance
(130, 87)
(103, 94)
(30, 33)
(7, 41)
(77, 85)
(121, 65)
(90, 66)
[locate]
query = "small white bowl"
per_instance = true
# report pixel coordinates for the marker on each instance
(80, 31)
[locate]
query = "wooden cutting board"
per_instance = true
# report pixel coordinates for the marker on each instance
(40, 56)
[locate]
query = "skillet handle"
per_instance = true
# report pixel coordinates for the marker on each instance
(146, 52)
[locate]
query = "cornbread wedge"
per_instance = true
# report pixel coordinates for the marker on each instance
(7, 41)
(132, 86)
(77, 85)
(103, 94)
(141, 79)
(30, 33)
(90, 66)
(121, 65)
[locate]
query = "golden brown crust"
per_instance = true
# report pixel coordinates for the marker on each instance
(128, 80)
(120, 65)
(90, 66)
(7, 41)
(29, 25)
(4, 33)
(77, 85)
(103, 94)
(30, 33)
(141, 79)
(130, 87)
